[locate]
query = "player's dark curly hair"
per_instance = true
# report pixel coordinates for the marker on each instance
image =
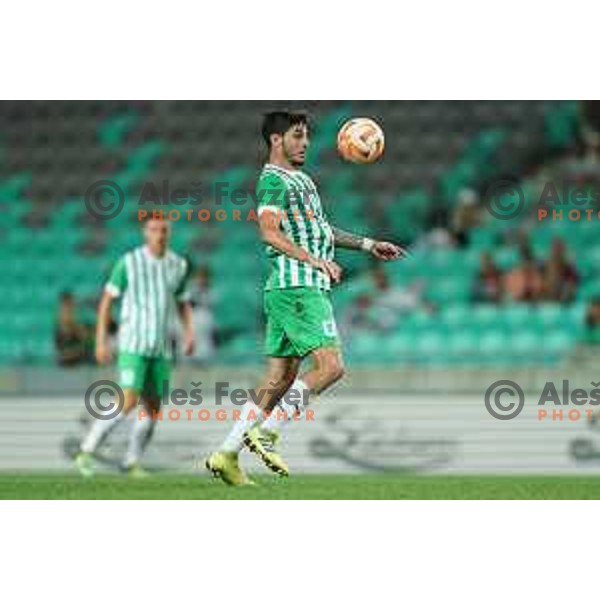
(280, 121)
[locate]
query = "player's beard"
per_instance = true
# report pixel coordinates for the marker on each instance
(294, 159)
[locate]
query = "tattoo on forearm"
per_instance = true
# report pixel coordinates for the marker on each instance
(344, 239)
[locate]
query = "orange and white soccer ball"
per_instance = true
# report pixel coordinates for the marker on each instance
(360, 140)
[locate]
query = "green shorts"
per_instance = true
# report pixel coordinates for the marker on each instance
(299, 320)
(144, 373)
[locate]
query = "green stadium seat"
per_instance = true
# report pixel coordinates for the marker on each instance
(561, 124)
(548, 316)
(463, 346)
(365, 347)
(400, 345)
(462, 174)
(516, 316)
(507, 258)
(485, 315)
(113, 131)
(483, 146)
(417, 322)
(559, 341)
(456, 316)
(493, 346)
(145, 155)
(12, 189)
(482, 239)
(431, 347)
(525, 344)
(575, 316)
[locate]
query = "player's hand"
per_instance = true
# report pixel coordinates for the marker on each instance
(189, 343)
(103, 353)
(330, 268)
(388, 251)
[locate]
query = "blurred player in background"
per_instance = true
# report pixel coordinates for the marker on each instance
(300, 246)
(152, 282)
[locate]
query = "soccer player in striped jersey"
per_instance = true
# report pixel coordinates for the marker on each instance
(300, 246)
(152, 283)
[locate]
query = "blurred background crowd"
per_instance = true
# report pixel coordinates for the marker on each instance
(476, 289)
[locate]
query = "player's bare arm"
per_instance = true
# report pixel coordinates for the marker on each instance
(103, 350)
(184, 310)
(271, 234)
(379, 249)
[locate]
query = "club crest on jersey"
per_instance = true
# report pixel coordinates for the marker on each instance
(127, 377)
(330, 328)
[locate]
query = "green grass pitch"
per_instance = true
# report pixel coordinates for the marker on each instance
(329, 487)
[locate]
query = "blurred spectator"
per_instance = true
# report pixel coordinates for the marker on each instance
(590, 113)
(583, 162)
(560, 275)
(523, 243)
(202, 314)
(396, 301)
(358, 316)
(592, 321)
(466, 216)
(525, 283)
(592, 150)
(437, 238)
(488, 286)
(381, 309)
(590, 136)
(436, 228)
(72, 339)
(519, 239)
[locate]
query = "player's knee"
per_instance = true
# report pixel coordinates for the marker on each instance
(130, 401)
(281, 380)
(338, 372)
(334, 369)
(280, 383)
(128, 408)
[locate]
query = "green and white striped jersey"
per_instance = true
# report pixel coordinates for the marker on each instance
(149, 288)
(295, 195)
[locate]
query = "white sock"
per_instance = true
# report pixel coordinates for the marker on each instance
(284, 411)
(251, 414)
(98, 432)
(139, 436)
